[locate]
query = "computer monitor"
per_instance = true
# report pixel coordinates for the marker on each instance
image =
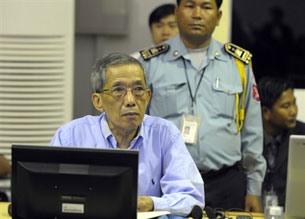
(295, 189)
(69, 182)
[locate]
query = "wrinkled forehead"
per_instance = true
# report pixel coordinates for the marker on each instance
(125, 74)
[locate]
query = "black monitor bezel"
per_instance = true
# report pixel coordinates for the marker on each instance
(68, 155)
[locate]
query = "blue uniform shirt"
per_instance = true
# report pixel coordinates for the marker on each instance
(167, 172)
(219, 143)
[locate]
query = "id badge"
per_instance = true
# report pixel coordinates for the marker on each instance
(189, 128)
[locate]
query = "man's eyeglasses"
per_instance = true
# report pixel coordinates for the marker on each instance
(118, 92)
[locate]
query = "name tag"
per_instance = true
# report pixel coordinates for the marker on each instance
(189, 128)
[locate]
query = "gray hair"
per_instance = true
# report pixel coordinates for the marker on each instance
(98, 75)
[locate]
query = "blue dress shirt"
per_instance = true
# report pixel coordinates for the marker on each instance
(219, 143)
(167, 172)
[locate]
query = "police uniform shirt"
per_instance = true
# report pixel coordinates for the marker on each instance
(219, 143)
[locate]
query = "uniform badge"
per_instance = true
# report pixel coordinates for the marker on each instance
(155, 51)
(238, 52)
(255, 93)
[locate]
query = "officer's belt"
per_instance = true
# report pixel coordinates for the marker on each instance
(223, 170)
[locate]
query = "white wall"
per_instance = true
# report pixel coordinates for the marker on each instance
(139, 33)
(36, 70)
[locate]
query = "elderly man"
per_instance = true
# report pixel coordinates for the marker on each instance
(168, 177)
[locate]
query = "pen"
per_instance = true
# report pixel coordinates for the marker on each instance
(217, 82)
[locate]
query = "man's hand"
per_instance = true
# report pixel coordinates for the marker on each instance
(145, 203)
(252, 203)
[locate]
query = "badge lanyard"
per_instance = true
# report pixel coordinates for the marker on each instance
(193, 98)
(190, 123)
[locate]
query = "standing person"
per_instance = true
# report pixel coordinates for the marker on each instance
(196, 82)
(279, 111)
(5, 167)
(168, 178)
(162, 23)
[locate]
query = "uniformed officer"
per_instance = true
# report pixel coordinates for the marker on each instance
(199, 83)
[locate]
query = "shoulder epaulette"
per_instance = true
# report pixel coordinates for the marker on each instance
(238, 52)
(154, 51)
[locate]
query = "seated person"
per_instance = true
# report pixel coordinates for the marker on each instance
(168, 177)
(279, 111)
(5, 167)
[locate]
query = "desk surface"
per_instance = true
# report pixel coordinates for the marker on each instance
(4, 212)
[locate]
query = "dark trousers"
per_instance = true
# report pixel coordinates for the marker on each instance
(226, 188)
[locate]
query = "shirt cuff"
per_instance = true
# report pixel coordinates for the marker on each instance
(254, 187)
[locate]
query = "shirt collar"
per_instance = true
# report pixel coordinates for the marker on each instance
(177, 49)
(216, 51)
(268, 139)
(107, 132)
(105, 128)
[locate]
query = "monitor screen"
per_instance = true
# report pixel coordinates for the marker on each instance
(68, 182)
(295, 191)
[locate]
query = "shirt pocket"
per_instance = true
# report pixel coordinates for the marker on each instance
(170, 99)
(224, 98)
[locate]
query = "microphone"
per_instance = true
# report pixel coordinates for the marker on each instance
(211, 213)
(196, 212)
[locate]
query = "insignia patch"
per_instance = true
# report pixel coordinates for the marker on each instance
(255, 93)
(155, 51)
(238, 52)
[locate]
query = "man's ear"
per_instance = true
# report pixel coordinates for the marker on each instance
(148, 95)
(219, 15)
(176, 12)
(97, 101)
(266, 112)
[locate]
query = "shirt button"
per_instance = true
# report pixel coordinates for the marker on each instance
(201, 138)
(199, 95)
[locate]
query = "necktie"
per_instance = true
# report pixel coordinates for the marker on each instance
(272, 151)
